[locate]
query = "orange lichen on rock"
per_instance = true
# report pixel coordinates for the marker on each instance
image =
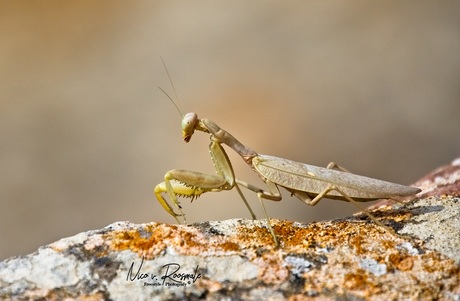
(153, 239)
(401, 261)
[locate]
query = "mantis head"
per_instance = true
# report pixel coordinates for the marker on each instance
(189, 123)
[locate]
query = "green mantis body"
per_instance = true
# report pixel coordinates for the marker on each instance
(306, 182)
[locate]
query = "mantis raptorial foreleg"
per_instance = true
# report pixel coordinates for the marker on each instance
(173, 187)
(188, 183)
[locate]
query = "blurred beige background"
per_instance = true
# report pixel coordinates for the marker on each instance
(85, 135)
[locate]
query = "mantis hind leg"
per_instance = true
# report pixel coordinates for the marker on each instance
(333, 165)
(323, 194)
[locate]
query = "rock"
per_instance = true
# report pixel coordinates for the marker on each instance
(349, 258)
(444, 180)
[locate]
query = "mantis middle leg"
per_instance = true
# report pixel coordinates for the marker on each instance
(272, 194)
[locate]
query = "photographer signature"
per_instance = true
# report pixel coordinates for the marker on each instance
(172, 276)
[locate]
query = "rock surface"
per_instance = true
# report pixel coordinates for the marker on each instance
(349, 259)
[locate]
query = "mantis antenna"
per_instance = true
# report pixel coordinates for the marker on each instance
(174, 89)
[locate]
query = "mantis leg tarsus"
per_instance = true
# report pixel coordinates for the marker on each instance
(333, 165)
(158, 190)
(269, 225)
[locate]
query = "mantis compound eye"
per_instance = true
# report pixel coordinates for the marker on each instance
(189, 122)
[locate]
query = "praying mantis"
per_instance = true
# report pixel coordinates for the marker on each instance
(306, 182)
